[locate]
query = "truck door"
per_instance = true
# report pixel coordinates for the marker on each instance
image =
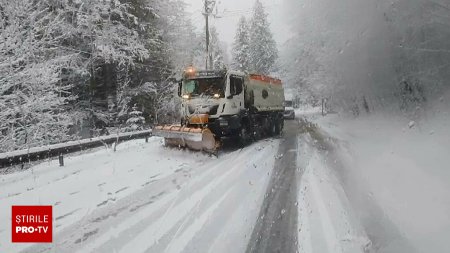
(236, 93)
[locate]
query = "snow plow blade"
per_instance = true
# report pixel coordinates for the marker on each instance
(200, 139)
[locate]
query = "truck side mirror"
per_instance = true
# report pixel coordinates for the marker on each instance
(180, 85)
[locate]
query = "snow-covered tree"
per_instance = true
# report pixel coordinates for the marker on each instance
(179, 33)
(33, 92)
(263, 48)
(66, 66)
(241, 47)
(164, 102)
(119, 47)
(216, 49)
(175, 51)
(394, 56)
(135, 119)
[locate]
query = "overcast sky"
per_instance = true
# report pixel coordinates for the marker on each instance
(232, 10)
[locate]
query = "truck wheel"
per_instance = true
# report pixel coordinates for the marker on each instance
(273, 128)
(278, 126)
(243, 136)
(257, 134)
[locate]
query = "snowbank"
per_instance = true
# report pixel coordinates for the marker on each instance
(403, 166)
(325, 217)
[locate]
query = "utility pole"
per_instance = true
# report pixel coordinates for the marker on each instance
(209, 7)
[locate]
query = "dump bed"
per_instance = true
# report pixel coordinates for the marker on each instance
(264, 93)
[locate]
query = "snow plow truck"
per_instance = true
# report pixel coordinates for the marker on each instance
(224, 104)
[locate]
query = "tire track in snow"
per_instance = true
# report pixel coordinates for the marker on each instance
(113, 219)
(128, 227)
(184, 239)
(304, 227)
(132, 223)
(229, 230)
(117, 224)
(276, 230)
(178, 212)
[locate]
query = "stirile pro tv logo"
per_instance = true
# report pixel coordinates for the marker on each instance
(32, 224)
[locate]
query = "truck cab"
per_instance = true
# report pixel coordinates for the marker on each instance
(212, 98)
(229, 102)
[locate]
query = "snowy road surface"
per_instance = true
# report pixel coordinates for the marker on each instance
(276, 229)
(145, 198)
(307, 191)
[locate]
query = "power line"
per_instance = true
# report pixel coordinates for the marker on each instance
(234, 13)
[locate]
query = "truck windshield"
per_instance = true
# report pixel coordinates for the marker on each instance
(204, 87)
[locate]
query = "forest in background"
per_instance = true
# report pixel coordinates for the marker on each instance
(73, 69)
(364, 56)
(80, 68)
(76, 69)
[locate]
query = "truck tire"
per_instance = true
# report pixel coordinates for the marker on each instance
(279, 126)
(244, 136)
(273, 128)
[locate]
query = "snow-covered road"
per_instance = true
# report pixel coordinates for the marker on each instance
(145, 198)
(327, 185)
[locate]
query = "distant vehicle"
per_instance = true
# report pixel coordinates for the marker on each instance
(289, 112)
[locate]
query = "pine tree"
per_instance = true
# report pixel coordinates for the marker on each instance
(216, 50)
(176, 52)
(179, 33)
(263, 48)
(135, 119)
(241, 53)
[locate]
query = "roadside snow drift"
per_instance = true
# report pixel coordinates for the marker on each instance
(396, 176)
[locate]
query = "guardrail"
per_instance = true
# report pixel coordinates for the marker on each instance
(58, 150)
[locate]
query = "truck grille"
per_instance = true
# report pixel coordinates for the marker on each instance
(212, 109)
